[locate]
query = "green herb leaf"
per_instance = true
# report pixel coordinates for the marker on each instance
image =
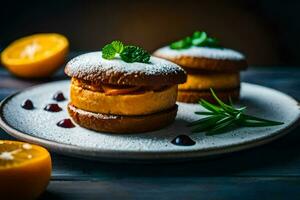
(128, 54)
(108, 52)
(249, 117)
(187, 42)
(177, 45)
(132, 54)
(199, 38)
(247, 123)
(222, 126)
(224, 106)
(211, 107)
(205, 124)
(198, 34)
(182, 44)
(223, 117)
(118, 46)
(205, 119)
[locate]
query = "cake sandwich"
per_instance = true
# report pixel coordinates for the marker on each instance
(208, 66)
(122, 89)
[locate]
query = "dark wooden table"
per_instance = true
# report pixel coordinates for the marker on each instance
(268, 172)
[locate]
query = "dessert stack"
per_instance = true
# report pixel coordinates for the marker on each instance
(123, 90)
(208, 66)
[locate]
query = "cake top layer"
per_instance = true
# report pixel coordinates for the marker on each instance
(204, 59)
(201, 52)
(92, 67)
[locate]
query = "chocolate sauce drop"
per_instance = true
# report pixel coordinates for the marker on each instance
(27, 104)
(183, 140)
(65, 123)
(59, 96)
(52, 107)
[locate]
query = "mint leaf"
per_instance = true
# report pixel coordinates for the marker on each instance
(128, 54)
(132, 54)
(182, 44)
(199, 34)
(177, 45)
(108, 52)
(118, 46)
(199, 38)
(187, 42)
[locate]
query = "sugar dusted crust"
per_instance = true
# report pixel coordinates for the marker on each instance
(204, 58)
(202, 52)
(92, 67)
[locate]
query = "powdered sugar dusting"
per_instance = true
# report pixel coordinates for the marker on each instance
(93, 63)
(206, 52)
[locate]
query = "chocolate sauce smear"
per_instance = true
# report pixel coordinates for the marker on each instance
(65, 123)
(52, 107)
(27, 104)
(183, 140)
(59, 96)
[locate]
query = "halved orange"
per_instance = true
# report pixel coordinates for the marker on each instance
(35, 56)
(25, 170)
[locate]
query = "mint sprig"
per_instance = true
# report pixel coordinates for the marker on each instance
(134, 54)
(222, 117)
(199, 38)
(109, 51)
(128, 53)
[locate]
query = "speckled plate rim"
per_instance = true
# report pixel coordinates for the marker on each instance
(130, 156)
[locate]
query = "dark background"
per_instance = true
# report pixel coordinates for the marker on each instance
(267, 31)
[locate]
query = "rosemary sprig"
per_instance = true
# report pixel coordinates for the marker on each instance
(223, 117)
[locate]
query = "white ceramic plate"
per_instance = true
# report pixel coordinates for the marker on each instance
(39, 126)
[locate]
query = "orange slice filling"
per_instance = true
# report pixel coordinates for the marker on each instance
(122, 100)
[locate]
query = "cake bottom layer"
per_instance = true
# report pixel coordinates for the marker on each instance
(121, 123)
